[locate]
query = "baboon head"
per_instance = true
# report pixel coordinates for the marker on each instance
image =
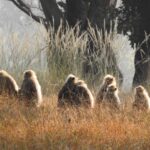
(111, 89)
(139, 90)
(108, 79)
(29, 74)
(71, 79)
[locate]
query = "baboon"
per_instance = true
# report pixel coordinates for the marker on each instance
(111, 97)
(75, 92)
(108, 79)
(141, 99)
(8, 84)
(83, 94)
(31, 89)
(65, 95)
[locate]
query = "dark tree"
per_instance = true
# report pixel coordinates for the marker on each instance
(74, 11)
(77, 11)
(52, 13)
(134, 17)
(100, 11)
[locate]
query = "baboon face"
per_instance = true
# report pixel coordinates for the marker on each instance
(71, 79)
(109, 79)
(111, 89)
(139, 90)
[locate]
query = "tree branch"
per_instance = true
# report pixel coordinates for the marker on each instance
(27, 10)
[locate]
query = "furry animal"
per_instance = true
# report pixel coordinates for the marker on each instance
(31, 89)
(75, 92)
(111, 97)
(65, 95)
(108, 79)
(8, 84)
(141, 99)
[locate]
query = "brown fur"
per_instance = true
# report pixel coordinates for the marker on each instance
(108, 79)
(75, 92)
(111, 97)
(8, 84)
(30, 88)
(141, 99)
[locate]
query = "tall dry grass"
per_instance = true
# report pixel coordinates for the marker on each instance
(48, 127)
(69, 50)
(55, 55)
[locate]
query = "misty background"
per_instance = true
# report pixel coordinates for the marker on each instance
(12, 20)
(11, 17)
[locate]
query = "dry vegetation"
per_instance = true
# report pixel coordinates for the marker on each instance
(48, 127)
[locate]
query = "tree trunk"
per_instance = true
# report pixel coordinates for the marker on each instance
(76, 12)
(100, 11)
(142, 61)
(134, 17)
(52, 13)
(141, 67)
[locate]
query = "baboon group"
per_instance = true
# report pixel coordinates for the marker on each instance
(74, 92)
(30, 90)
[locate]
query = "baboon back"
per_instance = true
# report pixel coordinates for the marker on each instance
(81, 95)
(140, 105)
(111, 100)
(28, 89)
(7, 86)
(65, 95)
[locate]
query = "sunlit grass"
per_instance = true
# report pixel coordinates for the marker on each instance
(48, 127)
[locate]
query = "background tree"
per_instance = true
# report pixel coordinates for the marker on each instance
(97, 12)
(74, 11)
(134, 17)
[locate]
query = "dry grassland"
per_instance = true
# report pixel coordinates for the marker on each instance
(47, 127)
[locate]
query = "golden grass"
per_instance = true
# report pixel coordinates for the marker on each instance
(48, 127)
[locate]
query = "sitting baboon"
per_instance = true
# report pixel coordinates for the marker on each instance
(8, 84)
(108, 79)
(75, 92)
(111, 97)
(141, 99)
(31, 89)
